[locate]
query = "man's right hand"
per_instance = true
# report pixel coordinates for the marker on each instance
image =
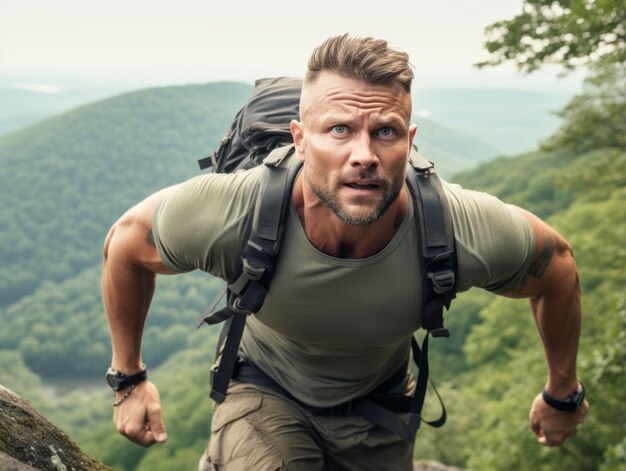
(138, 417)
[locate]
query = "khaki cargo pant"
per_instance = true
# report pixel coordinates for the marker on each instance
(257, 429)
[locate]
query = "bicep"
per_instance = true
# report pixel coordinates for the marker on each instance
(552, 261)
(130, 241)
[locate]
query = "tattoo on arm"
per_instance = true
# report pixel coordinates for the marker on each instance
(539, 266)
(150, 238)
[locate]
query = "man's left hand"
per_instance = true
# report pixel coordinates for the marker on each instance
(553, 426)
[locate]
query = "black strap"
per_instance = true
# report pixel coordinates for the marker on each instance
(420, 357)
(436, 243)
(379, 413)
(226, 365)
(247, 289)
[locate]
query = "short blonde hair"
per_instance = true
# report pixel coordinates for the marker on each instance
(367, 59)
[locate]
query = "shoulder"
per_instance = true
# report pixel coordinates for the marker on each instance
(478, 211)
(494, 241)
(195, 215)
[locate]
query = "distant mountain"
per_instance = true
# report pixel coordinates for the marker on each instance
(25, 104)
(66, 179)
(513, 121)
(453, 151)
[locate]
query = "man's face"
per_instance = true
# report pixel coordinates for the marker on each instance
(354, 139)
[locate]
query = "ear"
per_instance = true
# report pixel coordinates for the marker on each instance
(297, 132)
(412, 132)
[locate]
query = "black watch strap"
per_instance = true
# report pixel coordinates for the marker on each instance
(570, 404)
(118, 380)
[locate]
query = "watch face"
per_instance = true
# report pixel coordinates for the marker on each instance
(112, 382)
(113, 379)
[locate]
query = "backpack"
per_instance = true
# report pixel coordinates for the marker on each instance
(259, 135)
(259, 127)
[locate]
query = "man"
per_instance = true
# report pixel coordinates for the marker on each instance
(342, 304)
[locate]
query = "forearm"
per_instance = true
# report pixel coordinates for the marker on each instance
(127, 292)
(552, 285)
(557, 313)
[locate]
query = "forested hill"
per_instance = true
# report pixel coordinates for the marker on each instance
(66, 179)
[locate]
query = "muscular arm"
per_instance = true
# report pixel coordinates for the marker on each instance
(130, 265)
(553, 288)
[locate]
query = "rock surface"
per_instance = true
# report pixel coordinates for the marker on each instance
(29, 441)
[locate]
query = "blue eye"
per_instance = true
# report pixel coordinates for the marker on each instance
(386, 131)
(339, 129)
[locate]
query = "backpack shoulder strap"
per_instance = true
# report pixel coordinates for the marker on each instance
(438, 273)
(249, 284)
(437, 242)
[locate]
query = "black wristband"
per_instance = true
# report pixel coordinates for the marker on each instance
(570, 404)
(118, 380)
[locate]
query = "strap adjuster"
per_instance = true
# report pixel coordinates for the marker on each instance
(248, 273)
(252, 273)
(235, 305)
(442, 281)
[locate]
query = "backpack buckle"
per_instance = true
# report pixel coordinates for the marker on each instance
(252, 273)
(248, 273)
(442, 281)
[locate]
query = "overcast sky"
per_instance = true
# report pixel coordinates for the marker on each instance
(201, 40)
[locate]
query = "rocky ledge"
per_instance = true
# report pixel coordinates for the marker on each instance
(28, 441)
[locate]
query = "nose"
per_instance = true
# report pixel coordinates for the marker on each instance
(363, 153)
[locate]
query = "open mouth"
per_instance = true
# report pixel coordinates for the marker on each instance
(362, 186)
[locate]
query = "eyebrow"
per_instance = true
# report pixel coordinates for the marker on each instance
(387, 119)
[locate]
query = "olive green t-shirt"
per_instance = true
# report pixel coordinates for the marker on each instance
(332, 329)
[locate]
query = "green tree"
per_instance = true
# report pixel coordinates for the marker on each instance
(600, 110)
(569, 33)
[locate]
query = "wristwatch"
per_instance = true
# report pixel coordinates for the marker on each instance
(118, 380)
(571, 403)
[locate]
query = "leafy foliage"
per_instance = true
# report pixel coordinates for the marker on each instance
(565, 32)
(581, 186)
(572, 33)
(600, 110)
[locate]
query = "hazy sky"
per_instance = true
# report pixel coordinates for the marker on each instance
(200, 40)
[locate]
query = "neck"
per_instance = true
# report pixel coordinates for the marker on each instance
(334, 237)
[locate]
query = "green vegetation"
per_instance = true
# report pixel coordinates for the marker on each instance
(67, 179)
(569, 33)
(578, 184)
(41, 329)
